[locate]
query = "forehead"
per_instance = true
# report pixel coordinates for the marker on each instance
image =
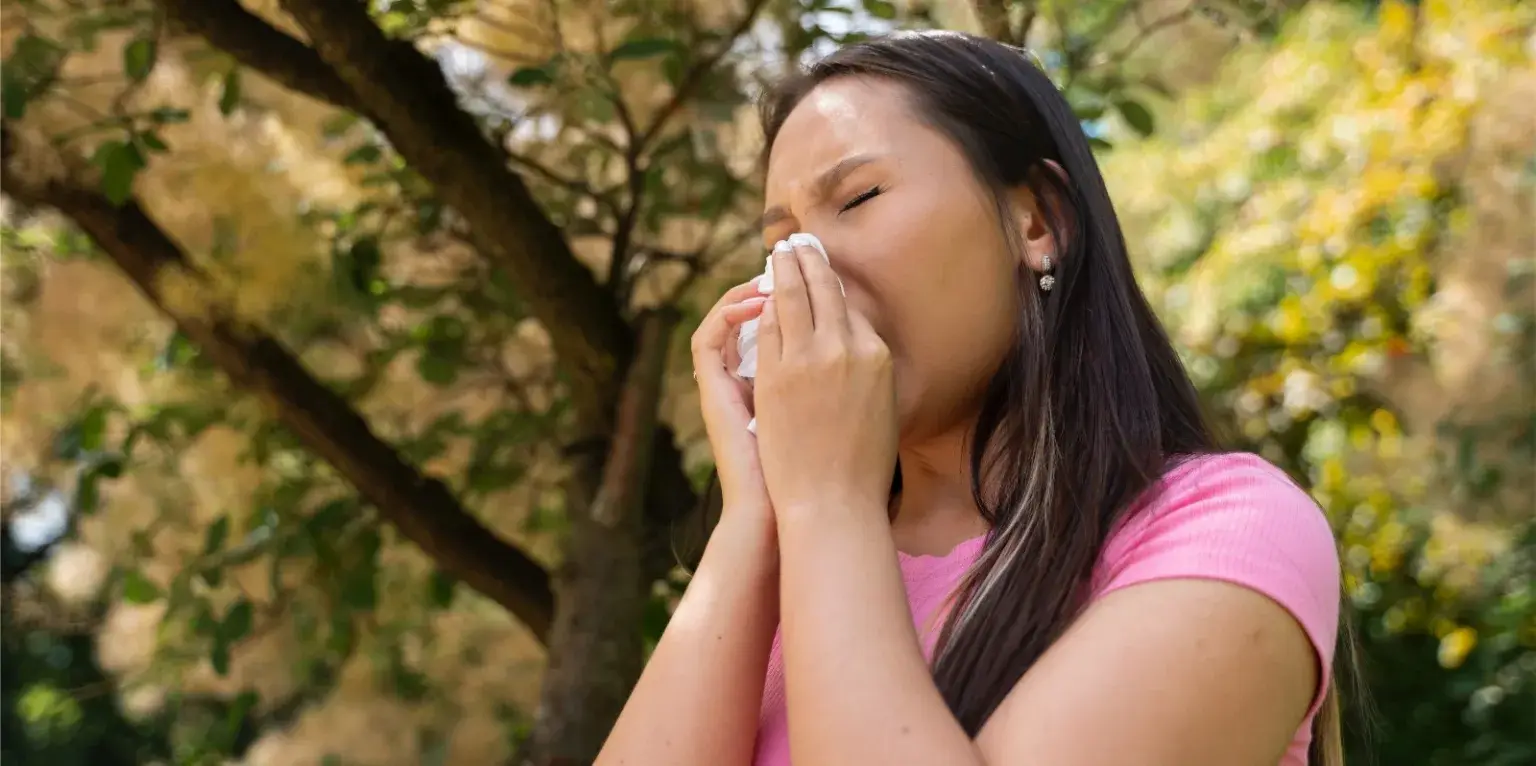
(837, 119)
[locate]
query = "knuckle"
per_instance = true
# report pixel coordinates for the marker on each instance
(835, 356)
(874, 352)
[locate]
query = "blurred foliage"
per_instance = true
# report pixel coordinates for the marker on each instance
(1293, 219)
(1296, 222)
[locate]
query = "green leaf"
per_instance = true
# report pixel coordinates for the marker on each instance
(203, 622)
(239, 709)
(137, 588)
(111, 467)
(119, 162)
(150, 141)
(1135, 115)
(437, 369)
(87, 495)
(139, 58)
(93, 426)
(1099, 143)
(14, 97)
(230, 97)
(363, 259)
(1088, 112)
(340, 640)
(220, 655)
(409, 684)
(213, 541)
(166, 115)
(530, 76)
(29, 72)
(442, 352)
(440, 589)
(364, 154)
(643, 48)
(336, 127)
(360, 589)
(880, 9)
(66, 445)
(237, 621)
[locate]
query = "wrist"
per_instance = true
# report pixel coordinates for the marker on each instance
(747, 539)
(833, 515)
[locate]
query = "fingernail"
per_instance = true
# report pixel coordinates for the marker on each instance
(783, 247)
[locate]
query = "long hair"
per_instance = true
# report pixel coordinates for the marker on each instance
(1091, 405)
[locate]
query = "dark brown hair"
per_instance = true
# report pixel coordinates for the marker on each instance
(1092, 405)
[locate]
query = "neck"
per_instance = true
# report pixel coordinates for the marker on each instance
(936, 510)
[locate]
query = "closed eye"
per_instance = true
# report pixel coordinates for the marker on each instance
(863, 197)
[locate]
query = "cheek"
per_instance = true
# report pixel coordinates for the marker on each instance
(952, 325)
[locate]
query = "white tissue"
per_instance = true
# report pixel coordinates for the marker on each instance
(746, 343)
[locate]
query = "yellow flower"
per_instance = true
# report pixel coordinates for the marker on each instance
(1396, 20)
(1384, 422)
(1456, 645)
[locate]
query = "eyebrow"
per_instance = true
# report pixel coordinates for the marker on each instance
(823, 186)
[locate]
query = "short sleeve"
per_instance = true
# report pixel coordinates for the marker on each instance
(1235, 518)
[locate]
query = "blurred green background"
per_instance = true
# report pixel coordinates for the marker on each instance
(341, 379)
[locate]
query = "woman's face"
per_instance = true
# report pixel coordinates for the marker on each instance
(913, 234)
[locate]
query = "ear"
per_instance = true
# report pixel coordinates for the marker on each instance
(1030, 213)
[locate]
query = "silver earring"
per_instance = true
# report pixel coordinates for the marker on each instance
(1047, 281)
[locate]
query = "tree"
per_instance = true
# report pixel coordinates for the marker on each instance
(455, 364)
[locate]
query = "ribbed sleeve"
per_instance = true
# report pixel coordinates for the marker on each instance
(1237, 519)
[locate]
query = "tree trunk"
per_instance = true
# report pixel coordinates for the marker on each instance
(601, 589)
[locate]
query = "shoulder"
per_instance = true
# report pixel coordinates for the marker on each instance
(1232, 517)
(1210, 626)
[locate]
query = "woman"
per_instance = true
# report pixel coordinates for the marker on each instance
(1064, 570)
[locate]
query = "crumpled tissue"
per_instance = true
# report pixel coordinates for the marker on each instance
(746, 342)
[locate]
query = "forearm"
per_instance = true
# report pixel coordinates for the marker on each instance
(859, 688)
(698, 699)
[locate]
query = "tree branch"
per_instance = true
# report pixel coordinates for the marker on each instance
(406, 95)
(353, 65)
(1144, 31)
(571, 184)
(420, 507)
(996, 24)
(696, 74)
(228, 26)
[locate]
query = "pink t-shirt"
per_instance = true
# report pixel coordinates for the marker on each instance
(1231, 517)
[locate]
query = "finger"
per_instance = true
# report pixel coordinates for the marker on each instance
(793, 304)
(731, 352)
(715, 330)
(828, 306)
(770, 337)
(859, 328)
(714, 367)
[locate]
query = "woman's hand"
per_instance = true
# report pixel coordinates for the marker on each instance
(825, 396)
(726, 402)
